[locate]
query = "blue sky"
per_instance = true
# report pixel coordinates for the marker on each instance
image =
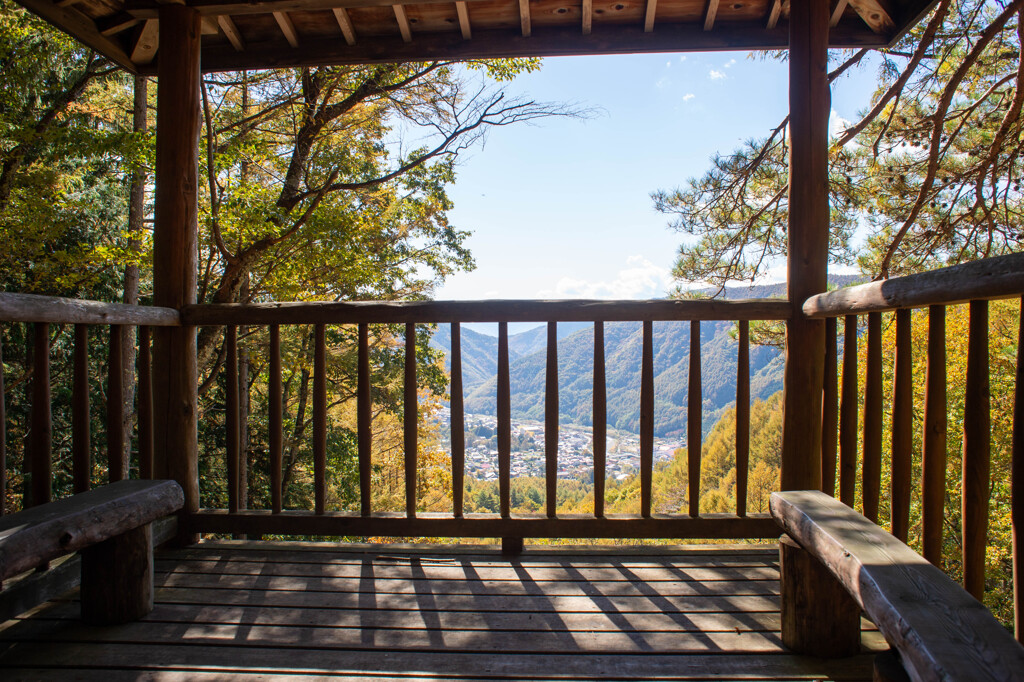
(562, 208)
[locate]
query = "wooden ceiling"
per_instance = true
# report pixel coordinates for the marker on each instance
(253, 34)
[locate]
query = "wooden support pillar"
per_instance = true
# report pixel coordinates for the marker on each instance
(819, 617)
(809, 106)
(175, 379)
(117, 578)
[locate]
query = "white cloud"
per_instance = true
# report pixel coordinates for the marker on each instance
(682, 57)
(663, 82)
(688, 96)
(640, 278)
(668, 65)
(730, 63)
(837, 124)
(716, 75)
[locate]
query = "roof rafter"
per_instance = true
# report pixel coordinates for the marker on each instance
(403, 23)
(287, 28)
(463, 11)
(587, 12)
(231, 32)
(875, 13)
(709, 18)
(345, 24)
(524, 17)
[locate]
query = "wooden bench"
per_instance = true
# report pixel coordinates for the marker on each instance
(939, 631)
(111, 527)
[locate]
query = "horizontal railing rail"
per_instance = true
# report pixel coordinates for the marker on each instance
(413, 522)
(974, 283)
(16, 307)
(421, 312)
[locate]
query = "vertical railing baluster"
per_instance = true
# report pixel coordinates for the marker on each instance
(458, 424)
(872, 464)
(143, 363)
(848, 414)
(933, 457)
(504, 400)
(1016, 483)
(976, 451)
(646, 418)
(275, 400)
(3, 431)
(319, 418)
(600, 420)
(42, 420)
(902, 422)
(830, 409)
(742, 417)
(551, 422)
(81, 453)
(411, 415)
(117, 467)
(694, 404)
(231, 415)
(364, 418)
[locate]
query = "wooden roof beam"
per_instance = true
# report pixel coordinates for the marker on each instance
(652, 9)
(116, 23)
(837, 13)
(463, 11)
(709, 18)
(875, 13)
(148, 9)
(147, 42)
(287, 28)
(231, 32)
(587, 12)
(345, 24)
(524, 17)
(81, 27)
(403, 23)
(773, 16)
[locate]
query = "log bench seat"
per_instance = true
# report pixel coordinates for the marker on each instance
(939, 631)
(111, 528)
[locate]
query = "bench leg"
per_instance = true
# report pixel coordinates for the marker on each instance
(819, 618)
(117, 578)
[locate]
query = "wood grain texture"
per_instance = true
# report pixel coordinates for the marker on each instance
(175, 250)
(694, 409)
(742, 416)
(345, 24)
(144, 374)
(394, 524)
(364, 419)
(354, 312)
(46, 532)
(551, 422)
(465, 25)
(1016, 483)
(41, 435)
(941, 631)
(976, 452)
(871, 468)
(117, 578)
(830, 409)
(231, 416)
(901, 456)
(458, 422)
(819, 617)
(275, 401)
(600, 397)
(35, 308)
(998, 277)
(117, 453)
(81, 450)
(504, 405)
(410, 425)
(807, 242)
(848, 410)
(933, 440)
(646, 418)
(319, 418)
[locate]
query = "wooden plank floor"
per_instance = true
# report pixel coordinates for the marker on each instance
(233, 610)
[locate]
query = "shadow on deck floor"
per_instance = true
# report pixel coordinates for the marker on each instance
(234, 610)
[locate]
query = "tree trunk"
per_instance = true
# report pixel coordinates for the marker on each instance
(136, 216)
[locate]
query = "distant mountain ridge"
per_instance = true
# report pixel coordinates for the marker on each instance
(623, 343)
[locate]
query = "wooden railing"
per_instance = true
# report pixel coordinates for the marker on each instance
(42, 312)
(974, 283)
(370, 522)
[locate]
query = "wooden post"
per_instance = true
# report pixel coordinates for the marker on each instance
(933, 456)
(1016, 483)
(819, 617)
(809, 106)
(175, 233)
(976, 452)
(81, 452)
(117, 454)
(830, 409)
(902, 422)
(42, 419)
(117, 578)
